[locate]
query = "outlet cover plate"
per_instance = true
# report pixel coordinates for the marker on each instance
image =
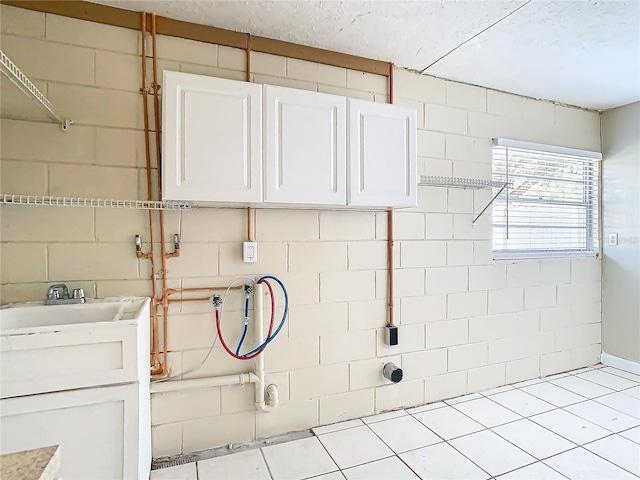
(250, 252)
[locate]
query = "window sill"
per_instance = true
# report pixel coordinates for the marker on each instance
(542, 255)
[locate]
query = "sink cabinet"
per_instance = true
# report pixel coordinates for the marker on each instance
(78, 376)
(98, 429)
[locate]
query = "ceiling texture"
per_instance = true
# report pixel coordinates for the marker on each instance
(578, 52)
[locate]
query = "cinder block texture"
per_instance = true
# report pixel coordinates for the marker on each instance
(466, 322)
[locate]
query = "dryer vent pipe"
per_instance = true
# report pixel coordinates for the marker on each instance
(391, 372)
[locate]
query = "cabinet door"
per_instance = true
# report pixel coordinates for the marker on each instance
(212, 131)
(305, 136)
(98, 429)
(382, 155)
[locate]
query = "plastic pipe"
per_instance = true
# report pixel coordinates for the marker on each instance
(226, 380)
(271, 390)
(266, 399)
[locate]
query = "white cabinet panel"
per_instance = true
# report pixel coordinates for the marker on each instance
(305, 137)
(98, 430)
(382, 155)
(212, 131)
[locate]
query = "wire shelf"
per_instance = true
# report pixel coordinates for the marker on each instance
(92, 202)
(458, 182)
(20, 80)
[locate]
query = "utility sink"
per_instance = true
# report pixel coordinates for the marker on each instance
(48, 348)
(30, 315)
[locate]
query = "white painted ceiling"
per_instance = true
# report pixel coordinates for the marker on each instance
(579, 52)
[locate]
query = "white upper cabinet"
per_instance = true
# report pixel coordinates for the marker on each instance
(235, 143)
(382, 155)
(306, 153)
(212, 139)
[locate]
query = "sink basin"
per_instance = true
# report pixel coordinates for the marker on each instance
(50, 348)
(31, 315)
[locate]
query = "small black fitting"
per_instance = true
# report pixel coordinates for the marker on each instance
(248, 290)
(391, 335)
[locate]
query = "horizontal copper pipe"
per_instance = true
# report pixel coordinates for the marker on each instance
(171, 291)
(181, 300)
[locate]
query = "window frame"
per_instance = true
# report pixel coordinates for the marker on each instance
(588, 225)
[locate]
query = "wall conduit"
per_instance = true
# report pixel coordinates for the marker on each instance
(390, 241)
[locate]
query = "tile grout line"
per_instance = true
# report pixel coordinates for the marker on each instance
(327, 450)
(491, 429)
(542, 426)
(264, 459)
(606, 459)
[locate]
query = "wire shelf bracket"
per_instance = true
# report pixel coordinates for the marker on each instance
(459, 182)
(8, 199)
(26, 86)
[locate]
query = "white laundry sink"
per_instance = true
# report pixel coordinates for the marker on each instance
(30, 315)
(48, 348)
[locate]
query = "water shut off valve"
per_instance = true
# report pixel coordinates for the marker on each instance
(217, 302)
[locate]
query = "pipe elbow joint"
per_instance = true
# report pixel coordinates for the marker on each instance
(271, 399)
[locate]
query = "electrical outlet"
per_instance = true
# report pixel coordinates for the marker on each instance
(613, 239)
(250, 252)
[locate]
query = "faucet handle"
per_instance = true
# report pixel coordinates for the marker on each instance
(78, 293)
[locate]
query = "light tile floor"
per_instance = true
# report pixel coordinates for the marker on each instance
(580, 425)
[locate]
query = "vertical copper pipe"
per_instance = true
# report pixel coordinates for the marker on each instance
(390, 263)
(250, 224)
(248, 79)
(391, 67)
(156, 103)
(163, 252)
(390, 224)
(248, 72)
(147, 144)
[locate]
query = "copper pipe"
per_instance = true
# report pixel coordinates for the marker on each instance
(171, 291)
(180, 300)
(390, 225)
(147, 143)
(156, 103)
(143, 256)
(390, 259)
(391, 67)
(163, 256)
(248, 73)
(248, 79)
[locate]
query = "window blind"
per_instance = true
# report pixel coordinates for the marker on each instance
(550, 207)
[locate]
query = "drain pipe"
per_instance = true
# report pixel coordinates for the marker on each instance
(266, 399)
(271, 391)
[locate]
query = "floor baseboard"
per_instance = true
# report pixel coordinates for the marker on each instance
(620, 363)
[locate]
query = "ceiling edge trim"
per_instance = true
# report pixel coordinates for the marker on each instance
(118, 17)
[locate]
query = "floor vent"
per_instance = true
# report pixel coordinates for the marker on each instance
(165, 462)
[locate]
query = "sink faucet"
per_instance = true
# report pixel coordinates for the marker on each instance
(54, 298)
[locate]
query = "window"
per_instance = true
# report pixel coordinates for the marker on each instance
(550, 206)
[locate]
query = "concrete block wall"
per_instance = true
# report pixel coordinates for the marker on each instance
(467, 322)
